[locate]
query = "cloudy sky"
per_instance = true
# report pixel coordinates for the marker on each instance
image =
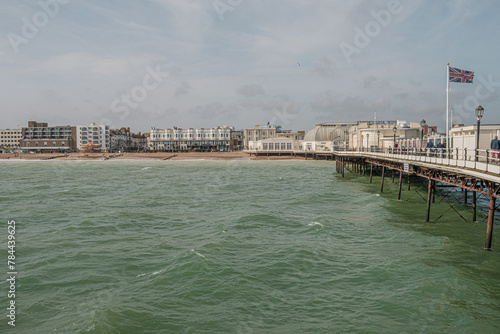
(204, 63)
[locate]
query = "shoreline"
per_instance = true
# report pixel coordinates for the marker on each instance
(140, 156)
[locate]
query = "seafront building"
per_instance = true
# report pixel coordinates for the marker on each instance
(465, 137)
(123, 140)
(277, 144)
(383, 134)
(272, 138)
(39, 137)
(260, 132)
(9, 138)
(223, 139)
(97, 135)
(324, 137)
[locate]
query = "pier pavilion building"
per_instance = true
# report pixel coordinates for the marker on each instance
(382, 134)
(324, 137)
(465, 137)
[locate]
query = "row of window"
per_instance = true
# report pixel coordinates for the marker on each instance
(276, 146)
(45, 144)
(204, 135)
(258, 132)
(196, 143)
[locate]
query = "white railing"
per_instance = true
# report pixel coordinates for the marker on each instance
(483, 160)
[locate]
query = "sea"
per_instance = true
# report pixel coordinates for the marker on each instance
(238, 246)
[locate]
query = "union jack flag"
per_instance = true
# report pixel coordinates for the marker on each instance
(462, 76)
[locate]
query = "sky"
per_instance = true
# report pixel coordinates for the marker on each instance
(208, 63)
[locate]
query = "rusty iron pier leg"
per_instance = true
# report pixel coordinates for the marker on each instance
(382, 182)
(489, 229)
(465, 196)
(364, 168)
(371, 172)
(474, 199)
(343, 166)
(393, 176)
(433, 191)
(429, 193)
(409, 177)
(399, 186)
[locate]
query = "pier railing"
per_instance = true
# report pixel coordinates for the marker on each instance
(483, 160)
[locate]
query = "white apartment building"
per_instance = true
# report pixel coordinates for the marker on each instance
(9, 138)
(93, 133)
(217, 139)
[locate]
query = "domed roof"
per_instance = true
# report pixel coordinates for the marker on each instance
(320, 133)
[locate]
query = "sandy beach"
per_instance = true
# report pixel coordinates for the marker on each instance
(143, 156)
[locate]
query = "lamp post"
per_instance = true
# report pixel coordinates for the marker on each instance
(394, 130)
(423, 123)
(479, 115)
(378, 139)
(346, 139)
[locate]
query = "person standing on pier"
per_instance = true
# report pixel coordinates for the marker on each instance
(429, 147)
(495, 148)
(440, 149)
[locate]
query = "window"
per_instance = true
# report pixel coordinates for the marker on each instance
(36, 143)
(62, 143)
(45, 143)
(28, 144)
(54, 143)
(288, 146)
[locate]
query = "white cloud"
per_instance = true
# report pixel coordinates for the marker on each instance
(243, 70)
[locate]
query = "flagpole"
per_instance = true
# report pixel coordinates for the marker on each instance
(447, 108)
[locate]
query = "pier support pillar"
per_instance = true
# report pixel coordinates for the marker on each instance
(409, 177)
(474, 199)
(371, 172)
(465, 197)
(433, 191)
(342, 166)
(399, 186)
(382, 183)
(429, 193)
(489, 229)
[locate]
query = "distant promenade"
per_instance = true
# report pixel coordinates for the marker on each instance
(143, 156)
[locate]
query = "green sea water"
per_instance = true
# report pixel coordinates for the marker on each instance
(237, 247)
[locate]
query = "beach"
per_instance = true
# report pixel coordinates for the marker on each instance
(143, 156)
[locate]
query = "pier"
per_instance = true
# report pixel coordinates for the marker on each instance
(475, 172)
